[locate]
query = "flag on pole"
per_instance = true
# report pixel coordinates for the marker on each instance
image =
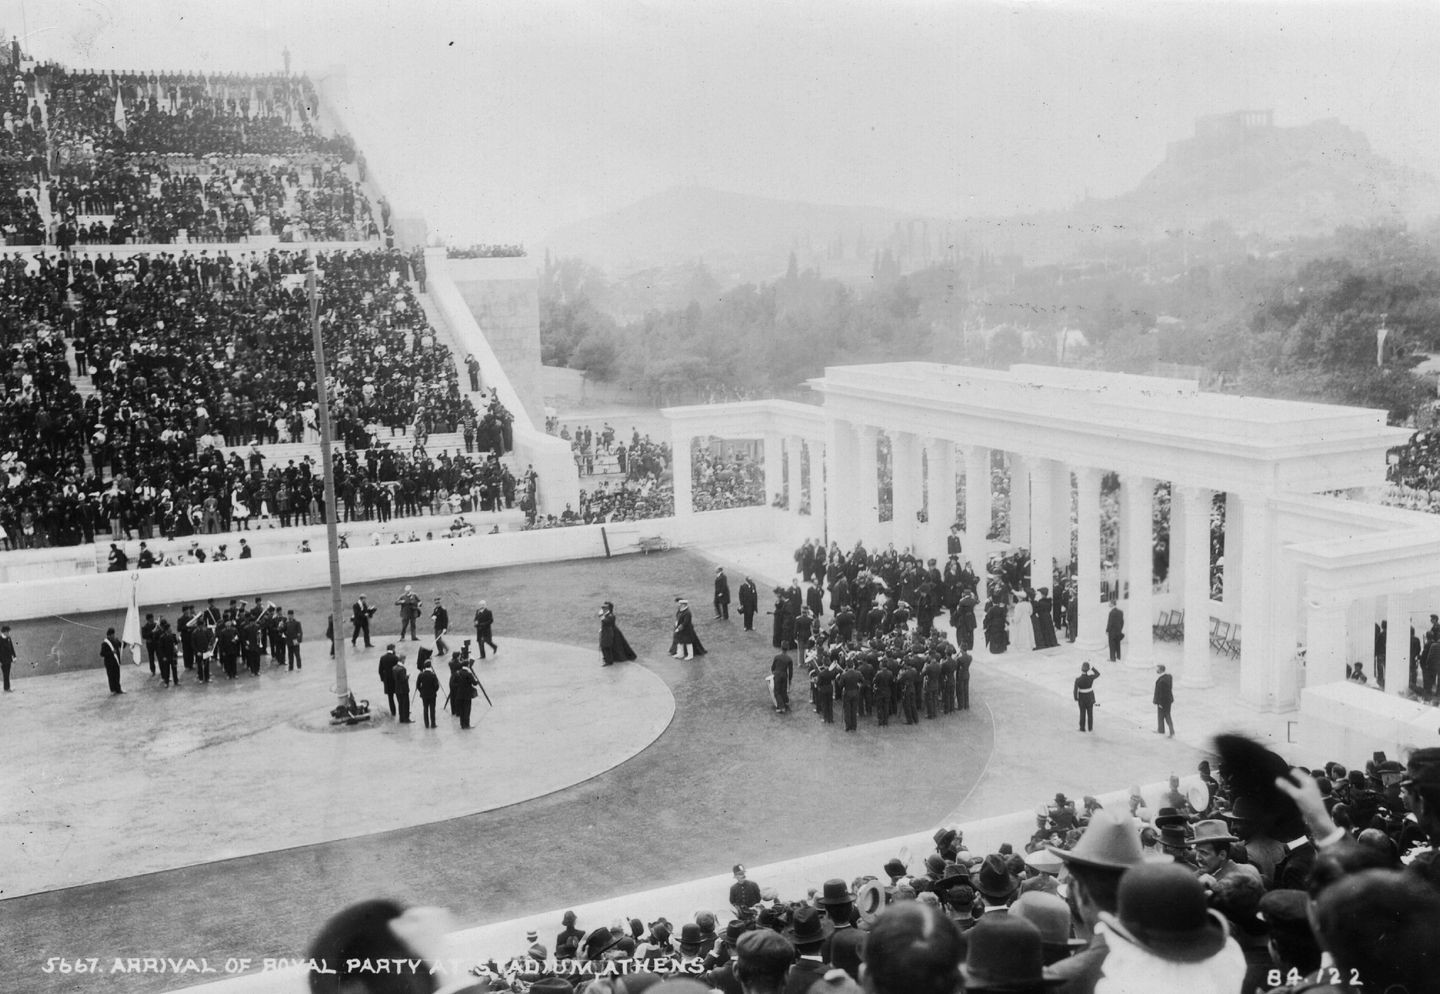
(119, 111)
(130, 639)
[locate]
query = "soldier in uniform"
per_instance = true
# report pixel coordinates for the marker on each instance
(962, 681)
(884, 685)
(294, 635)
(110, 656)
(148, 631)
(202, 638)
(825, 691)
(165, 649)
(183, 628)
(909, 688)
(227, 645)
(947, 683)
(931, 673)
(250, 644)
(782, 671)
(866, 666)
(848, 685)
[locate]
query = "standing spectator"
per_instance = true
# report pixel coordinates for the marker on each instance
(110, 656)
(409, 603)
(472, 365)
(613, 645)
(7, 655)
(749, 603)
(782, 673)
(1164, 698)
(388, 661)
(400, 680)
(463, 684)
(294, 635)
(1115, 630)
(484, 624)
(360, 614)
(722, 594)
(913, 949)
(428, 686)
(441, 618)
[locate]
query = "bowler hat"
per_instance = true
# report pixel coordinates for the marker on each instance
(546, 985)
(690, 934)
(1005, 954)
(1111, 842)
(1173, 836)
(1162, 909)
(1049, 914)
(944, 837)
(835, 892)
(1212, 830)
(1169, 816)
(894, 868)
(995, 878)
(808, 927)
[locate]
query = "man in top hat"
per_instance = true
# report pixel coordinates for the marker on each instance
(996, 884)
(1109, 847)
(807, 932)
(912, 949)
(1006, 953)
(1165, 929)
(388, 659)
(843, 946)
(1212, 843)
(749, 603)
(722, 594)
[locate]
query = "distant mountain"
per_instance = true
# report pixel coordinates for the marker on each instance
(1239, 169)
(1245, 171)
(738, 236)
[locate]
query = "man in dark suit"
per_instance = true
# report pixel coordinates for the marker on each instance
(1164, 697)
(882, 694)
(7, 655)
(294, 636)
(388, 659)
(807, 932)
(782, 670)
(1115, 630)
(484, 629)
(749, 603)
(962, 682)
(932, 676)
(400, 680)
(360, 614)
(110, 656)
(722, 594)
(441, 618)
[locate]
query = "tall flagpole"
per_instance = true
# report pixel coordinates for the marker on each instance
(337, 606)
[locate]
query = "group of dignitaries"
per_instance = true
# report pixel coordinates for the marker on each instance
(236, 635)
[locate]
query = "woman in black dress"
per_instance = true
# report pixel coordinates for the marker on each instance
(613, 646)
(1044, 621)
(997, 633)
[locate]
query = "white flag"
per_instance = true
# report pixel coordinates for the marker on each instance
(119, 111)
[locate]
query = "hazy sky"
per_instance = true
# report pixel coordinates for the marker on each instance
(502, 120)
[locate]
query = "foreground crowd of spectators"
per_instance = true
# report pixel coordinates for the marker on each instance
(210, 349)
(1265, 878)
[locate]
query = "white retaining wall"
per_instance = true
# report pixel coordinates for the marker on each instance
(366, 564)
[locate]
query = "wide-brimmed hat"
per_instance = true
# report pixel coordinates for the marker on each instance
(1162, 909)
(1169, 816)
(1111, 842)
(995, 878)
(1044, 861)
(1049, 914)
(835, 892)
(1005, 953)
(1212, 830)
(808, 927)
(1423, 769)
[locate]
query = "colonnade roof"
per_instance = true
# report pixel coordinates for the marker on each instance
(1141, 425)
(749, 419)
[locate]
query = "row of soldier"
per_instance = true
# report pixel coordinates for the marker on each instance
(898, 673)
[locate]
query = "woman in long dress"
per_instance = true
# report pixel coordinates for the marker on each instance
(997, 637)
(1044, 621)
(1024, 627)
(613, 646)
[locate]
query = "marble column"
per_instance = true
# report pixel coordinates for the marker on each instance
(819, 492)
(1397, 643)
(977, 505)
(867, 525)
(1060, 541)
(1325, 645)
(1233, 572)
(774, 459)
(942, 491)
(1251, 567)
(680, 470)
(1195, 586)
(1020, 523)
(792, 472)
(1137, 495)
(905, 477)
(1093, 611)
(1042, 524)
(842, 476)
